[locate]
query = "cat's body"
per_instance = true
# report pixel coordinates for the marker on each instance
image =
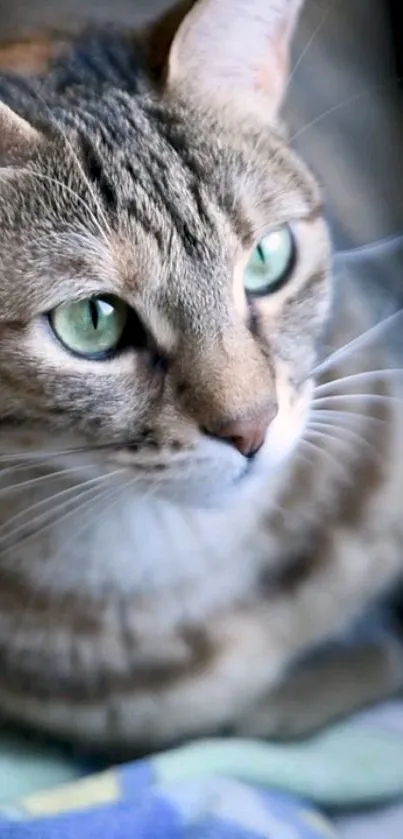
(173, 603)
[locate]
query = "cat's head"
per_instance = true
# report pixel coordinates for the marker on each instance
(164, 263)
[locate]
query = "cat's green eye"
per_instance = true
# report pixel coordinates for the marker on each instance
(91, 328)
(271, 263)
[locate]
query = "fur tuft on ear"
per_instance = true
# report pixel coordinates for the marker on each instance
(236, 53)
(18, 139)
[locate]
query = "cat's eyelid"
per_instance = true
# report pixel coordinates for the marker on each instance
(314, 213)
(305, 212)
(308, 215)
(272, 228)
(80, 297)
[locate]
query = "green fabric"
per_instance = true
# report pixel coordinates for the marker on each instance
(349, 765)
(26, 767)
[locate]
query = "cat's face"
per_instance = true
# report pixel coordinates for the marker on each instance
(163, 284)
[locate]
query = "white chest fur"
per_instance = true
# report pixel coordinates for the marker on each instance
(138, 546)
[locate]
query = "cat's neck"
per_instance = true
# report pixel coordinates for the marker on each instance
(143, 546)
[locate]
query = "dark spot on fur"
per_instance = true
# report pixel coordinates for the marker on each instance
(298, 566)
(159, 362)
(94, 170)
(181, 389)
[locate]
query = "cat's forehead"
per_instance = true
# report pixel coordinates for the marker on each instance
(147, 200)
(184, 177)
(168, 161)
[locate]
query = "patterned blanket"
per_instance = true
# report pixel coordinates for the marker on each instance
(217, 789)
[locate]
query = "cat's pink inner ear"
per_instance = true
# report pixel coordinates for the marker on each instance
(18, 139)
(235, 53)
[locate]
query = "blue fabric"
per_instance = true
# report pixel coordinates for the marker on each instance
(210, 809)
(146, 820)
(215, 789)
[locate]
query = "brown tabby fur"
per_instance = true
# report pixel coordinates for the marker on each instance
(31, 55)
(176, 605)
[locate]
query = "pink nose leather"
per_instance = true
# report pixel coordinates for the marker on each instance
(248, 435)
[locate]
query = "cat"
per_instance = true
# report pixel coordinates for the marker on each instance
(185, 536)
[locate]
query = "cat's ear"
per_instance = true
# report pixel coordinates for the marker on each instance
(18, 139)
(235, 52)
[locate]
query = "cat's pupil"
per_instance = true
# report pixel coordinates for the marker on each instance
(94, 314)
(90, 328)
(100, 310)
(271, 263)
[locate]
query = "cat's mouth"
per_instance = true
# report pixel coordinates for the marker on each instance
(217, 477)
(205, 472)
(213, 472)
(204, 475)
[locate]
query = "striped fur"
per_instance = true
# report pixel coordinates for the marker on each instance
(173, 604)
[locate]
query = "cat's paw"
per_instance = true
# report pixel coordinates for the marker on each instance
(281, 717)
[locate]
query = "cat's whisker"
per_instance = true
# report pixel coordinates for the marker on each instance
(300, 454)
(369, 251)
(291, 79)
(62, 134)
(357, 378)
(306, 442)
(190, 519)
(18, 466)
(73, 193)
(159, 510)
(106, 497)
(317, 30)
(79, 506)
(27, 457)
(41, 479)
(263, 136)
(321, 433)
(364, 398)
(370, 335)
(39, 524)
(73, 491)
(151, 491)
(109, 497)
(31, 467)
(345, 447)
(347, 416)
(349, 101)
(339, 432)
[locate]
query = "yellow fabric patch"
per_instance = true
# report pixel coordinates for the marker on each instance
(92, 792)
(323, 827)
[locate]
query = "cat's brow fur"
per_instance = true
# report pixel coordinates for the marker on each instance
(147, 618)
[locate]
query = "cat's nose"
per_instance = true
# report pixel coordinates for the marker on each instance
(248, 435)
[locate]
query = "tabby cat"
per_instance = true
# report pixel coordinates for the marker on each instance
(175, 537)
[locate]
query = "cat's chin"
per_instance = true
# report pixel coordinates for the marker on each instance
(254, 481)
(217, 479)
(199, 493)
(220, 491)
(213, 476)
